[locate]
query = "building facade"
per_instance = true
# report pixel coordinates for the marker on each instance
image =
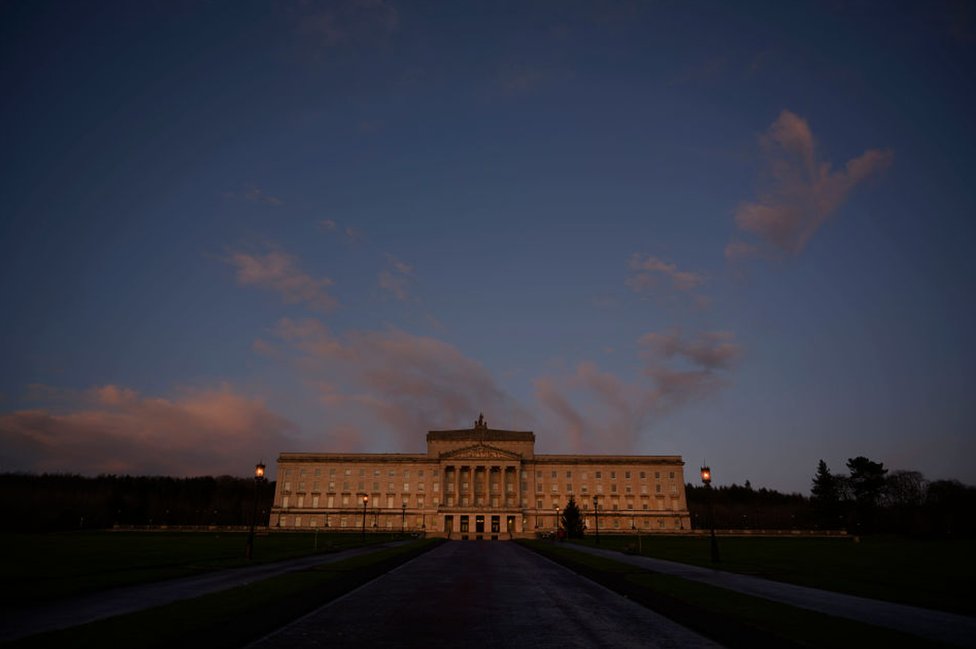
(478, 483)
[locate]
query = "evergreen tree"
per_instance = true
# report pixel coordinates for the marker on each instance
(867, 483)
(825, 496)
(573, 520)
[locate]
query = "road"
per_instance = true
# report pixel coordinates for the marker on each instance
(482, 594)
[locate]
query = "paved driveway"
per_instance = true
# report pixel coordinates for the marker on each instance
(482, 594)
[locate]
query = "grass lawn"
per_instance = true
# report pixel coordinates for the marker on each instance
(234, 617)
(41, 567)
(935, 574)
(730, 618)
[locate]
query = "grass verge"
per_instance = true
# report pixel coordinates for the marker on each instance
(936, 573)
(234, 617)
(38, 568)
(730, 618)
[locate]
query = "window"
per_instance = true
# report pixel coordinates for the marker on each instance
(613, 475)
(406, 487)
(671, 475)
(437, 487)
(538, 474)
(315, 486)
(318, 473)
(420, 486)
(376, 473)
(362, 473)
(301, 473)
(643, 475)
(644, 489)
(674, 489)
(284, 502)
(345, 499)
(406, 474)
(391, 486)
(613, 488)
(584, 489)
(569, 474)
(301, 485)
(315, 501)
(599, 488)
(331, 486)
(331, 473)
(657, 488)
(538, 504)
(287, 486)
(348, 472)
(362, 486)
(420, 473)
(555, 488)
(331, 501)
(569, 488)
(628, 489)
(584, 475)
(391, 473)
(627, 475)
(554, 473)
(657, 475)
(287, 472)
(420, 501)
(599, 475)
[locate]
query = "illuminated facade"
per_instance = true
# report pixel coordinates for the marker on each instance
(478, 483)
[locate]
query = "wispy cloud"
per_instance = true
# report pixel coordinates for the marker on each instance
(396, 280)
(649, 272)
(279, 272)
(802, 191)
(598, 410)
(254, 195)
(113, 429)
(406, 381)
(346, 23)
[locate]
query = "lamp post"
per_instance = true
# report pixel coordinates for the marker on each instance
(556, 507)
(365, 502)
(596, 518)
(706, 477)
(403, 518)
(258, 478)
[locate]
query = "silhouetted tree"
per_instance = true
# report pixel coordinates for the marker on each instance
(825, 497)
(867, 482)
(572, 520)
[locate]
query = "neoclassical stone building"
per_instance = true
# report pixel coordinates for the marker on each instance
(478, 483)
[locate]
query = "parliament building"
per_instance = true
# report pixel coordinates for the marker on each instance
(478, 483)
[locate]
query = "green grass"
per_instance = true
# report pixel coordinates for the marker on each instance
(934, 574)
(35, 568)
(731, 618)
(234, 617)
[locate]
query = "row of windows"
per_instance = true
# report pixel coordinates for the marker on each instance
(613, 475)
(333, 472)
(392, 473)
(599, 488)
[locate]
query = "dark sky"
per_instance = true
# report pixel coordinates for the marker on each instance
(738, 232)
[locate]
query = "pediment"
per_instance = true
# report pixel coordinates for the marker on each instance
(480, 452)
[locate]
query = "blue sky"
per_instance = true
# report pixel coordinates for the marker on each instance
(738, 233)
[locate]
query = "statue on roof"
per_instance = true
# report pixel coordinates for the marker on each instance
(481, 424)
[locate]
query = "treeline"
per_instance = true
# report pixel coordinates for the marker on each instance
(868, 499)
(51, 502)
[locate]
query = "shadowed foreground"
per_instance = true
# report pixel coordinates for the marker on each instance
(475, 594)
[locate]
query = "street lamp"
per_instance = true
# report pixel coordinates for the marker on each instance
(403, 517)
(365, 502)
(596, 518)
(556, 507)
(706, 477)
(258, 478)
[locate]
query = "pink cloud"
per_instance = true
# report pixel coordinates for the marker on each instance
(279, 272)
(649, 271)
(600, 411)
(116, 430)
(411, 383)
(802, 191)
